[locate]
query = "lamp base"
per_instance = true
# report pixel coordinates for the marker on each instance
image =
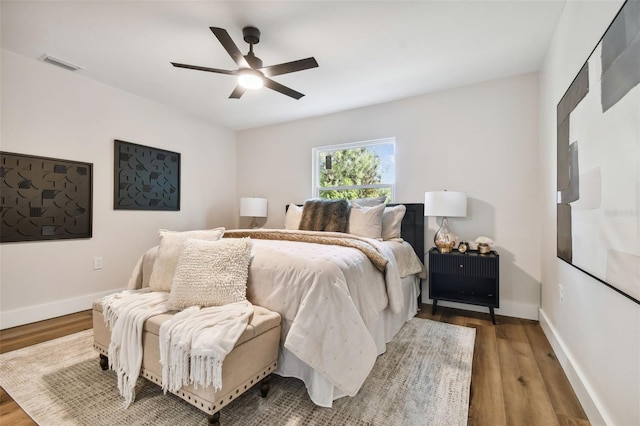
(444, 239)
(254, 224)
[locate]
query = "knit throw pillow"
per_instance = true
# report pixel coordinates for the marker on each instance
(211, 273)
(169, 250)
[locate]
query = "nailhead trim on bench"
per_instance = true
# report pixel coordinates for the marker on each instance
(209, 409)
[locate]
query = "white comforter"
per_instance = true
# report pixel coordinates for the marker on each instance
(327, 297)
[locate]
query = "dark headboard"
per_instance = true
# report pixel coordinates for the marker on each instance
(412, 226)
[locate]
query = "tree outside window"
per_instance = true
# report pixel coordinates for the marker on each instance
(355, 170)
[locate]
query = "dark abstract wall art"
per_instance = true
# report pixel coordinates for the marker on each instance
(44, 198)
(598, 181)
(145, 178)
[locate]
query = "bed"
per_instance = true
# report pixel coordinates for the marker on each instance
(338, 310)
(341, 297)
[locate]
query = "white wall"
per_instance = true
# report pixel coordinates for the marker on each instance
(595, 331)
(50, 112)
(481, 139)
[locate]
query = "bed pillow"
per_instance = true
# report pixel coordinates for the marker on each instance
(293, 216)
(366, 221)
(148, 260)
(211, 273)
(392, 222)
(169, 250)
(368, 202)
(325, 215)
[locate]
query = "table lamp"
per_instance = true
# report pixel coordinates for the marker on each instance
(253, 207)
(445, 204)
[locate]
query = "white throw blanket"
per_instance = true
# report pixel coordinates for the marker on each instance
(125, 314)
(204, 336)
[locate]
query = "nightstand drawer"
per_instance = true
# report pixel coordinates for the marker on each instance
(465, 265)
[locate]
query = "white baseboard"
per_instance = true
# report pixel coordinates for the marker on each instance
(45, 311)
(584, 392)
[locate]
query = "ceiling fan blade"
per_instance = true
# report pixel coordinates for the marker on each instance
(287, 67)
(198, 68)
(282, 89)
(237, 92)
(231, 48)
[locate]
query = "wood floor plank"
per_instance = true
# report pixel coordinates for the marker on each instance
(451, 317)
(11, 413)
(572, 421)
(562, 395)
(486, 402)
(511, 329)
(42, 331)
(526, 399)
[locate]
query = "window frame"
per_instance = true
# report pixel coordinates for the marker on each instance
(315, 178)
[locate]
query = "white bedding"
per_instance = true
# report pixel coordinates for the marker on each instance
(321, 391)
(331, 300)
(338, 310)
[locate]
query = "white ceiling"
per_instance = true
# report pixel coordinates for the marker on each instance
(369, 52)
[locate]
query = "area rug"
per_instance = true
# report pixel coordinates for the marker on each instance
(422, 379)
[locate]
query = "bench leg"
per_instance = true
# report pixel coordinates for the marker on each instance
(104, 362)
(214, 419)
(265, 384)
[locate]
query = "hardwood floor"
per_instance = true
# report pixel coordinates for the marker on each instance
(516, 377)
(31, 334)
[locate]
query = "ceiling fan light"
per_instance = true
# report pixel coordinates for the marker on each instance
(250, 79)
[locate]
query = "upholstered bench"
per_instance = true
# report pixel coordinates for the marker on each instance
(251, 361)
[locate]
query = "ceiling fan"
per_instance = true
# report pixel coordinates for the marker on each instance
(251, 74)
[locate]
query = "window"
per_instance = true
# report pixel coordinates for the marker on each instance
(355, 170)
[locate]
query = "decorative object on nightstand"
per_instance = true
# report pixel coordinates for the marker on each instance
(469, 277)
(484, 244)
(445, 204)
(463, 247)
(253, 207)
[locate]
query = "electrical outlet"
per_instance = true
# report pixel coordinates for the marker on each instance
(97, 263)
(561, 292)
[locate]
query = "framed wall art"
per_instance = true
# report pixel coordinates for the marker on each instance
(145, 178)
(44, 198)
(598, 182)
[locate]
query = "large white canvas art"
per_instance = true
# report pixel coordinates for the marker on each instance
(598, 208)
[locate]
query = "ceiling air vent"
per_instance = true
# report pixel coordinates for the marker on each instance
(60, 63)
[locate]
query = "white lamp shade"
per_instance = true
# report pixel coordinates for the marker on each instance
(253, 207)
(445, 204)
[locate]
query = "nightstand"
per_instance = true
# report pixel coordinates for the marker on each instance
(469, 277)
